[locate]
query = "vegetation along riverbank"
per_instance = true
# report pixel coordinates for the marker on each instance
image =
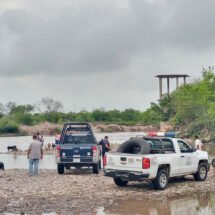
(189, 109)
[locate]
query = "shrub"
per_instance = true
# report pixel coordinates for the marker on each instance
(8, 125)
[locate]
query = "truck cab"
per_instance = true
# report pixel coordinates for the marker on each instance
(78, 148)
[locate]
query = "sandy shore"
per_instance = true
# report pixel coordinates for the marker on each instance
(47, 128)
(82, 192)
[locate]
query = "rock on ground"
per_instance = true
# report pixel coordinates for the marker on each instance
(82, 192)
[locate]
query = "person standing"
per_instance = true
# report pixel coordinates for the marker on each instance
(35, 153)
(42, 139)
(38, 136)
(105, 145)
(57, 138)
(198, 143)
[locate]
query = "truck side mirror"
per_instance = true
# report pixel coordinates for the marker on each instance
(193, 150)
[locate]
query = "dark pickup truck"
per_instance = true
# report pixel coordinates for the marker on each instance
(78, 148)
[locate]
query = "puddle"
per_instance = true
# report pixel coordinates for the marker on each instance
(205, 205)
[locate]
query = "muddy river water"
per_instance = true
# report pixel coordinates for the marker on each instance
(13, 161)
(19, 161)
(200, 204)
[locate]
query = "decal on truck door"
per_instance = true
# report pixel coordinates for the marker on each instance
(188, 161)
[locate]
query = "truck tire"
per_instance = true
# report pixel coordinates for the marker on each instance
(119, 182)
(67, 167)
(202, 172)
(213, 163)
(96, 168)
(60, 169)
(135, 146)
(100, 163)
(161, 180)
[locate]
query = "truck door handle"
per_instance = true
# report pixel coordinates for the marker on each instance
(182, 156)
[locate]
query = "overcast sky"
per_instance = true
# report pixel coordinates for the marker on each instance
(91, 54)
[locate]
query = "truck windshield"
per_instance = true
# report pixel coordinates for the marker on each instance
(78, 139)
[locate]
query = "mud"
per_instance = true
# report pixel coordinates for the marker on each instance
(81, 192)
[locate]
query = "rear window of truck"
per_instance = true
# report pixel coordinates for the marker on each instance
(160, 145)
(78, 139)
(168, 146)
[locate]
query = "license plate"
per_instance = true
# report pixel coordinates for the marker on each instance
(76, 160)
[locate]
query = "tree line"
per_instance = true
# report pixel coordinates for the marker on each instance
(47, 109)
(190, 109)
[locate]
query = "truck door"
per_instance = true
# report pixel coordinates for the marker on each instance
(187, 159)
(171, 153)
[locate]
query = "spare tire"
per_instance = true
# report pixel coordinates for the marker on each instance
(135, 146)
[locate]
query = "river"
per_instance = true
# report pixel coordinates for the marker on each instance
(22, 142)
(12, 161)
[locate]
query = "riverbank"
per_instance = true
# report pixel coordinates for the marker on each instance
(47, 128)
(80, 191)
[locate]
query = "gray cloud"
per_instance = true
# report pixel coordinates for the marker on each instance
(106, 53)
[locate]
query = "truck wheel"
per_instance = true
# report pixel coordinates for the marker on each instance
(213, 163)
(96, 168)
(100, 163)
(201, 173)
(161, 181)
(60, 169)
(119, 182)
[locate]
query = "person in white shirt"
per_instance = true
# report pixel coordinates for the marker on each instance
(198, 143)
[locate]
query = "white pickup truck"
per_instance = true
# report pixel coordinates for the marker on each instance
(156, 159)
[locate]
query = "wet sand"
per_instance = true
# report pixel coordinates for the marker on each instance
(80, 191)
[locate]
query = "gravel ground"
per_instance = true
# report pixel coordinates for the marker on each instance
(81, 192)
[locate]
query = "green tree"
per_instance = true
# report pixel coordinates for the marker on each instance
(99, 115)
(194, 104)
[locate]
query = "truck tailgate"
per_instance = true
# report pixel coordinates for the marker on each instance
(123, 161)
(76, 154)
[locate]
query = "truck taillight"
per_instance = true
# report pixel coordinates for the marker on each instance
(58, 151)
(104, 161)
(145, 163)
(94, 151)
